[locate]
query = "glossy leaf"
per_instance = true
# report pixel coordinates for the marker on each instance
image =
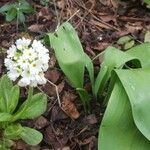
(113, 58)
(126, 122)
(69, 53)
(71, 57)
(142, 53)
(118, 130)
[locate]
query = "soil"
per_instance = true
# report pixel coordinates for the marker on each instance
(99, 23)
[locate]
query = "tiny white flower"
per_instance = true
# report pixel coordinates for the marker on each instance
(40, 79)
(24, 82)
(23, 62)
(35, 67)
(45, 66)
(23, 43)
(30, 54)
(13, 74)
(11, 52)
(27, 61)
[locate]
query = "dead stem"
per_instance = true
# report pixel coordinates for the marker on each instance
(57, 93)
(57, 17)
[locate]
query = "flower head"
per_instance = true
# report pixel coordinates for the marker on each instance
(27, 61)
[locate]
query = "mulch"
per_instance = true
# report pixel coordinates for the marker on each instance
(99, 23)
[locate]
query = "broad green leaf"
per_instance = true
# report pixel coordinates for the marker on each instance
(123, 40)
(13, 98)
(136, 84)
(13, 131)
(5, 117)
(69, 53)
(118, 130)
(5, 91)
(11, 14)
(31, 136)
(6, 7)
(126, 122)
(141, 52)
(36, 106)
(113, 58)
(71, 57)
(24, 106)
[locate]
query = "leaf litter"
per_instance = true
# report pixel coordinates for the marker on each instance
(99, 24)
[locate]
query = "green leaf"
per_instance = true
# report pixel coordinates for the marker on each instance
(11, 14)
(136, 84)
(85, 98)
(90, 69)
(13, 98)
(36, 106)
(5, 91)
(126, 122)
(111, 61)
(147, 2)
(31, 136)
(69, 53)
(71, 58)
(13, 131)
(129, 44)
(24, 106)
(5, 117)
(25, 7)
(123, 40)
(6, 8)
(20, 17)
(118, 130)
(142, 53)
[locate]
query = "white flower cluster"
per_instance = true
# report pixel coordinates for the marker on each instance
(27, 61)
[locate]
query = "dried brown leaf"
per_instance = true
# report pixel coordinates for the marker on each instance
(69, 107)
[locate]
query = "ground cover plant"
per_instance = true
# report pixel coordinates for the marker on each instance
(11, 111)
(16, 10)
(96, 80)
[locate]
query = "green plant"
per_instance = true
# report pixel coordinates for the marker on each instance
(16, 10)
(126, 123)
(147, 2)
(125, 76)
(44, 2)
(72, 59)
(11, 111)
